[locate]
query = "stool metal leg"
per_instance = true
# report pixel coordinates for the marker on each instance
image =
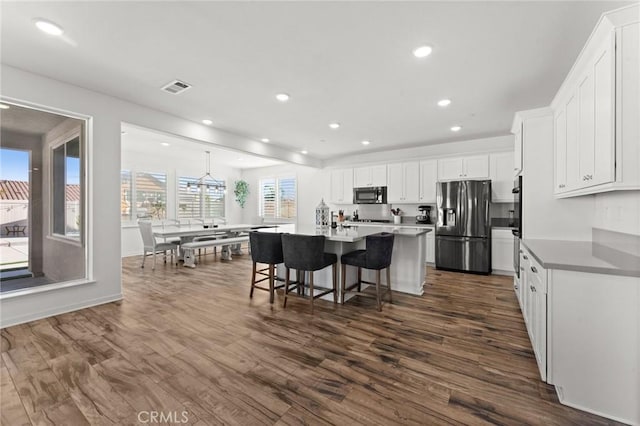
(253, 280)
(378, 290)
(311, 290)
(344, 283)
(389, 284)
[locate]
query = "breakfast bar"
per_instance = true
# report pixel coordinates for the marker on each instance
(407, 266)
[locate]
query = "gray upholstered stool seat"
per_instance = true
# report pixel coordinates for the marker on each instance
(266, 248)
(377, 257)
(305, 253)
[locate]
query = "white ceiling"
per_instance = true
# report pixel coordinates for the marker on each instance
(28, 121)
(136, 139)
(349, 62)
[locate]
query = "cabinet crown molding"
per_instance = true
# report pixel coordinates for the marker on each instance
(521, 116)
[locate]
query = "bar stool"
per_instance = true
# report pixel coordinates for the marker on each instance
(266, 248)
(305, 253)
(377, 256)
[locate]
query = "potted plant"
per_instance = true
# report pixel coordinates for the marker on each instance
(241, 191)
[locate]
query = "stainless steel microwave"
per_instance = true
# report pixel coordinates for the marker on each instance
(370, 195)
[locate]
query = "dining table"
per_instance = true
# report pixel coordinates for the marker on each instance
(186, 233)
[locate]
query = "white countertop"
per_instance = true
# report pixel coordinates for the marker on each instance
(358, 232)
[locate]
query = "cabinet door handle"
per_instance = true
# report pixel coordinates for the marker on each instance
(533, 289)
(522, 269)
(534, 270)
(515, 286)
(525, 257)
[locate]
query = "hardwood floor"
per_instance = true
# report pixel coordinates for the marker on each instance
(192, 341)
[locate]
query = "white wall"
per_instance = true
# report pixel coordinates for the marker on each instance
(313, 185)
(187, 164)
(618, 211)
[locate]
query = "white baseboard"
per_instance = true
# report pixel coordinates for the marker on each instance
(33, 316)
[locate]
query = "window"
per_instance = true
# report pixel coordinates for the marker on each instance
(195, 202)
(66, 189)
(126, 188)
(151, 195)
(278, 198)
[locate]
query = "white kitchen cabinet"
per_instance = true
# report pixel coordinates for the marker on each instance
(342, 186)
(403, 182)
(475, 167)
(501, 177)
(428, 180)
(596, 112)
(370, 176)
(431, 247)
(560, 141)
(502, 251)
(533, 290)
(517, 153)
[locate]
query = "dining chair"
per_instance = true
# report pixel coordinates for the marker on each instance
(151, 246)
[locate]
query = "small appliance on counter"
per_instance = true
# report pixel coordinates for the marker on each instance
(425, 215)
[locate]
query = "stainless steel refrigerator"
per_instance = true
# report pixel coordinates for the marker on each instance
(463, 231)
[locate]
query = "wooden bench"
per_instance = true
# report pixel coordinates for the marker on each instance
(190, 248)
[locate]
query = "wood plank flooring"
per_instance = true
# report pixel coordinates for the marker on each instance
(192, 341)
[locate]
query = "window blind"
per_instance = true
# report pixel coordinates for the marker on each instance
(190, 198)
(151, 195)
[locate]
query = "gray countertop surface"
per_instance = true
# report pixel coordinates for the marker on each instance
(358, 232)
(582, 256)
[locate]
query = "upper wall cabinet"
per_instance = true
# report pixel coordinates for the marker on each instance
(428, 180)
(501, 177)
(476, 167)
(370, 176)
(596, 125)
(517, 152)
(403, 182)
(342, 186)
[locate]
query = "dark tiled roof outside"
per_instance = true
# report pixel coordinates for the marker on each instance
(19, 190)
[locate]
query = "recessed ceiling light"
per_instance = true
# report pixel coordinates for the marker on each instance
(304, 151)
(334, 125)
(3, 106)
(165, 143)
(365, 142)
(48, 27)
(282, 97)
(265, 140)
(207, 122)
(422, 51)
(444, 102)
(456, 128)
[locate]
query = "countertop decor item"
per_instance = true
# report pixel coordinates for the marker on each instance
(397, 219)
(322, 215)
(241, 191)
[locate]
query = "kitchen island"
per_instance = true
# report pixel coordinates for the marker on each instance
(408, 270)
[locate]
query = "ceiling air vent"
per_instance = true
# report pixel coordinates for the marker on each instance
(176, 87)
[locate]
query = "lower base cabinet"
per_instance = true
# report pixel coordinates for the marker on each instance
(502, 251)
(585, 333)
(431, 247)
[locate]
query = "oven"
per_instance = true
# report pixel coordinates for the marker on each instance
(370, 195)
(517, 223)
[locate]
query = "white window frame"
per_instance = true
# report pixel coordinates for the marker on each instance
(62, 140)
(277, 180)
